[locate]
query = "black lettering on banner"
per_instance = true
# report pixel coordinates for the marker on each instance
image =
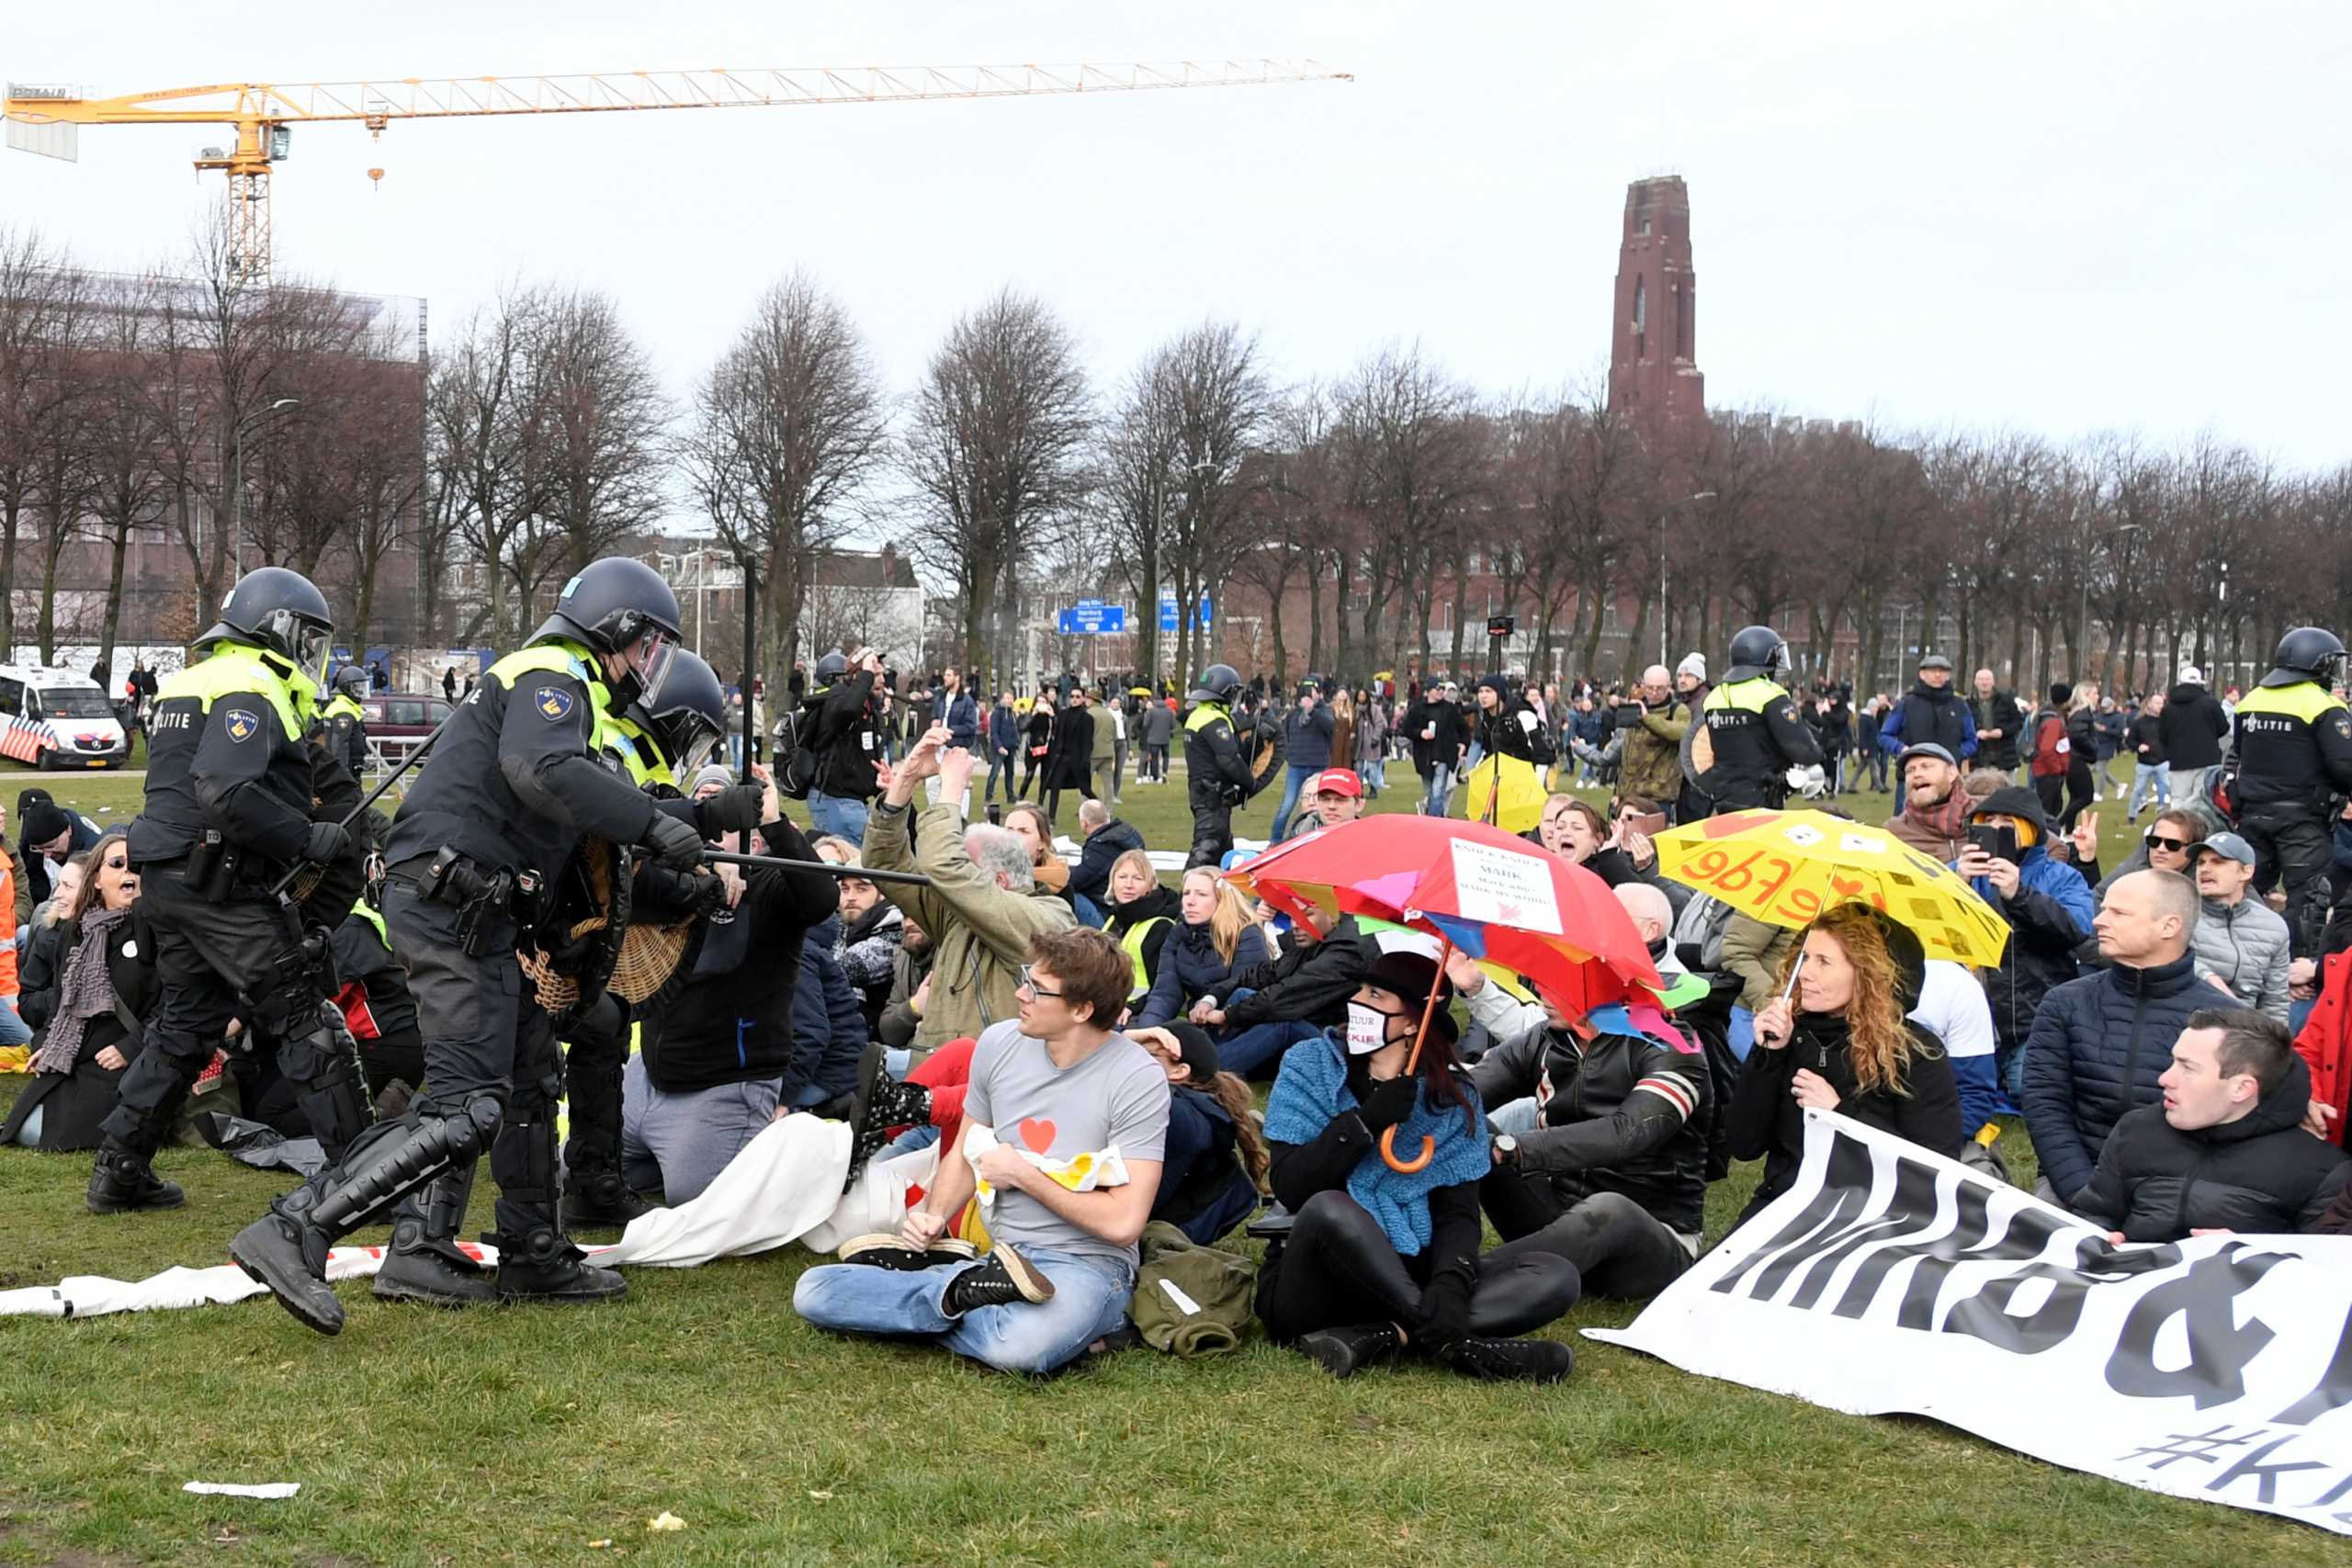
(1986, 1315)
(2332, 1390)
(2220, 1348)
(1914, 1201)
(2266, 1475)
(1844, 1194)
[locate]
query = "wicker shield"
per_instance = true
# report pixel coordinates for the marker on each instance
(587, 944)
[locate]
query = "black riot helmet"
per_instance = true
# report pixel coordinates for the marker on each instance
(352, 680)
(1218, 684)
(692, 717)
(283, 612)
(2307, 653)
(831, 668)
(1757, 650)
(620, 605)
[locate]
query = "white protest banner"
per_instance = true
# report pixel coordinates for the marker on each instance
(1889, 1280)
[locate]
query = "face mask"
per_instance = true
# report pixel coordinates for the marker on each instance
(1367, 1029)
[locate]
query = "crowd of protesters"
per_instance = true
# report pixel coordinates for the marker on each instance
(1039, 1011)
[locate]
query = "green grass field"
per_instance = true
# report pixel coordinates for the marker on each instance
(553, 1436)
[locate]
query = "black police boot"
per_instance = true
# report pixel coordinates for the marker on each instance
(424, 1263)
(121, 1180)
(545, 1266)
(1344, 1351)
(1507, 1360)
(1000, 1279)
(599, 1199)
(880, 1103)
(286, 1248)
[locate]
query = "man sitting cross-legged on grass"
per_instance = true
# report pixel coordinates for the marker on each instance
(1062, 1094)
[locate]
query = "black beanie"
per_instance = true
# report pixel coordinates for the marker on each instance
(1194, 1049)
(2061, 693)
(42, 824)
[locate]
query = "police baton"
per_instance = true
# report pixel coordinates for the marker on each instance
(821, 867)
(415, 754)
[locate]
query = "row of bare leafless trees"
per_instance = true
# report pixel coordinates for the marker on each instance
(1389, 500)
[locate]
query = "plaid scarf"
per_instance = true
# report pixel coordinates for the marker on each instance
(1948, 818)
(86, 992)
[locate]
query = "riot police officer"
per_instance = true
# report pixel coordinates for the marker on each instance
(230, 786)
(1219, 774)
(660, 749)
(510, 792)
(1753, 732)
(2292, 749)
(344, 721)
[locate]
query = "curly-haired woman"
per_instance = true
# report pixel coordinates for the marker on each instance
(1843, 1044)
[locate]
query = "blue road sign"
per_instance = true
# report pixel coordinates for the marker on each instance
(1091, 617)
(1167, 611)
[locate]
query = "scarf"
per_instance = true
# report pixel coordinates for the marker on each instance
(1948, 818)
(84, 993)
(1311, 1091)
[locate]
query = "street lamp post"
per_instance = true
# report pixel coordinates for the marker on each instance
(1664, 512)
(237, 474)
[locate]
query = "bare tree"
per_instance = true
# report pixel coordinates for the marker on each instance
(45, 313)
(482, 422)
(995, 452)
(788, 431)
(125, 440)
(603, 422)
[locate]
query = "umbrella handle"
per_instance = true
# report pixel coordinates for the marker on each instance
(1406, 1168)
(1388, 1137)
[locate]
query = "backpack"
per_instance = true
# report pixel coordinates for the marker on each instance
(2051, 750)
(797, 765)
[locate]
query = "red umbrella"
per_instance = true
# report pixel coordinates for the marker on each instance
(1475, 887)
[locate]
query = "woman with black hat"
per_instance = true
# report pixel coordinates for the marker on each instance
(1380, 1260)
(1216, 1159)
(1841, 1043)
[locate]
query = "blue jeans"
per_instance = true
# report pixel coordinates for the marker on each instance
(1244, 1051)
(1294, 779)
(1089, 1300)
(841, 814)
(1000, 767)
(14, 1029)
(1441, 789)
(1088, 911)
(2152, 781)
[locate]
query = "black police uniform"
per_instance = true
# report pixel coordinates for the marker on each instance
(344, 723)
(2293, 748)
(1217, 780)
(227, 759)
(1758, 736)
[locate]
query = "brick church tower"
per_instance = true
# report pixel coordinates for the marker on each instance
(1653, 345)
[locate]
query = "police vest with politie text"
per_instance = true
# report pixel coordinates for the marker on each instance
(2294, 736)
(225, 752)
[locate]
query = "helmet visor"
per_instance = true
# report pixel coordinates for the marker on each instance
(650, 659)
(694, 740)
(307, 643)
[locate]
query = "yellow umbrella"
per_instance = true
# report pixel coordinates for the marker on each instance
(1521, 803)
(1785, 867)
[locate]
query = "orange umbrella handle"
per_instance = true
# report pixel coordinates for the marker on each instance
(1388, 1137)
(1407, 1168)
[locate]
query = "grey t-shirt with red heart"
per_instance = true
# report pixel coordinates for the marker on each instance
(1117, 1095)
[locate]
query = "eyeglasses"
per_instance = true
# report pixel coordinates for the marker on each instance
(1029, 983)
(2171, 846)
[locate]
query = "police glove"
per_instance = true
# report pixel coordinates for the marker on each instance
(732, 810)
(328, 844)
(1389, 1102)
(675, 844)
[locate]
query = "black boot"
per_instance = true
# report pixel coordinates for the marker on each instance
(425, 1262)
(883, 1249)
(545, 1266)
(1002, 1278)
(599, 1199)
(286, 1248)
(1343, 1351)
(121, 1180)
(1508, 1360)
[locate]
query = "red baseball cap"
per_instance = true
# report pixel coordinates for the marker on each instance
(1338, 780)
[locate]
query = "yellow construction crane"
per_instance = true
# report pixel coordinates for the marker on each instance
(48, 119)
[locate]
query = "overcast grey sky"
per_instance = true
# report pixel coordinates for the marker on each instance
(2055, 217)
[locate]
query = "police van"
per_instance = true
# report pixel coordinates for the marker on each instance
(58, 718)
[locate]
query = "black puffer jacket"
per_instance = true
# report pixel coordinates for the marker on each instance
(2099, 1045)
(1624, 1114)
(2191, 728)
(2261, 1175)
(1311, 981)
